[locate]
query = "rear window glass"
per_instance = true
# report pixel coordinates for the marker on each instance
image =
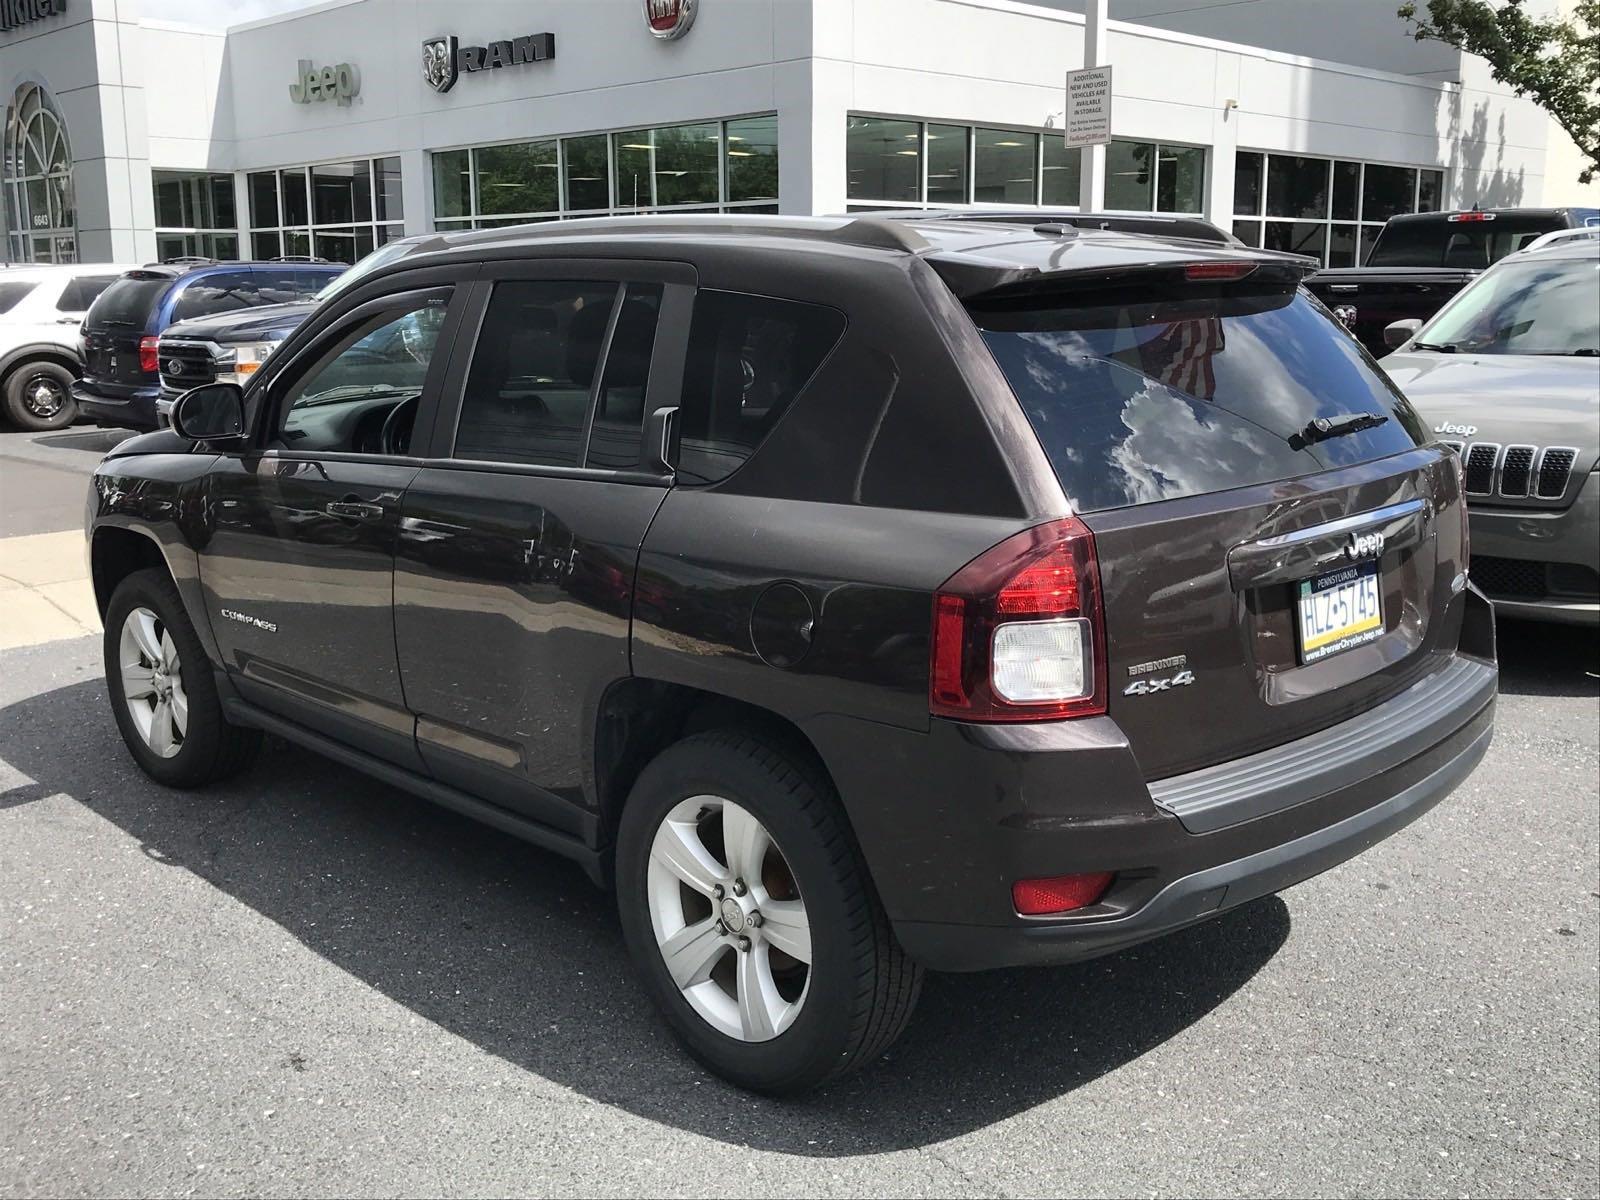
(1156, 393)
(748, 357)
(11, 294)
(217, 293)
(129, 300)
(83, 291)
(1466, 245)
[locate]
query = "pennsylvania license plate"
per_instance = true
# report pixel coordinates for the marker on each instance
(1339, 611)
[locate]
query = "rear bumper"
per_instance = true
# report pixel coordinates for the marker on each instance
(135, 408)
(1568, 537)
(950, 819)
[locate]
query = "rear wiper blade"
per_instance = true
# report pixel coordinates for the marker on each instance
(1321, 428)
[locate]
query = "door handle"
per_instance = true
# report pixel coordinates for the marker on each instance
(358, 510)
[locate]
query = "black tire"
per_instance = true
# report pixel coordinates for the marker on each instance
(21, 404)
(211, 748)
(862, 986)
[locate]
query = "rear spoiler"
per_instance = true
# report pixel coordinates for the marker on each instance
(971, 279)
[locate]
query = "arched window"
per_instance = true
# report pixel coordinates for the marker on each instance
(41, 220)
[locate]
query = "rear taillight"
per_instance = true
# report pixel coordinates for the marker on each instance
(1018, 633)
(149, 354)
(1059, 894)
(1200, 271)
(1470, 216)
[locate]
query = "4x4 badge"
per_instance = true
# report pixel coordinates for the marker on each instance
(1143, 687)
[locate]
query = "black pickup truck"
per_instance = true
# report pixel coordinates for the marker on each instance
(1422, 259)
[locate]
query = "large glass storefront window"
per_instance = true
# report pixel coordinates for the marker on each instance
(195, 215)
(894, 161)
(706, 166)
(41, 219)
(1331, 209)
(338, 212)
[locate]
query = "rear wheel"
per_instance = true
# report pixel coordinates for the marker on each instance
(39, 396)
(748, 910)
(162, 690)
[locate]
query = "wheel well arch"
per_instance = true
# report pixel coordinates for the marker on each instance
(114, 554)
(58, 355)
(639, 718)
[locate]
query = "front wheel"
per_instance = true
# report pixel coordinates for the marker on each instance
(38, 396)
(748, 910)
(163, 694)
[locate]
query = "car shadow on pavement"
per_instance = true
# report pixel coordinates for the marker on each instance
(514, 950)
(1540, 659)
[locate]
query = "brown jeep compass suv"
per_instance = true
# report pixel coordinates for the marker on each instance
(854, 596)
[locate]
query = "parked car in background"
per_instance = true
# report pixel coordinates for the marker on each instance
(40, 311)
(1508, 374)
(121, 377)
(232, 346)
(1420, 260)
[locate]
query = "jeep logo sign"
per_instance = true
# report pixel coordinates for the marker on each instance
(668, 19)
(339, 84)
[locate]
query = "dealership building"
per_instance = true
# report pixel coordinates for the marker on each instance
(332, 129)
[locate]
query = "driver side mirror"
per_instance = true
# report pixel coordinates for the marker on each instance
(1398, 333)
(213, 412)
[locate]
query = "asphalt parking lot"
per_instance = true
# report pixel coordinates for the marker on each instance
(305, 983)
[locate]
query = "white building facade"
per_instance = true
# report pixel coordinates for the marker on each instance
(332, 129)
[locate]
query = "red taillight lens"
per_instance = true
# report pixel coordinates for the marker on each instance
(149, 354)
(1059, 894)
(1018, 632)
(1217, 270)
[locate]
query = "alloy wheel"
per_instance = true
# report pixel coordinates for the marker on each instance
(44, 396)
(728, 918)
(152, 683)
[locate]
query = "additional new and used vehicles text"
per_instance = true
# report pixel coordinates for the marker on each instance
(40, 310)
(121, 378)
(855, 596)
(1509, 374)
(1420, 260)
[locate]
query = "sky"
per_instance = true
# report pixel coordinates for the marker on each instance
(217, 13)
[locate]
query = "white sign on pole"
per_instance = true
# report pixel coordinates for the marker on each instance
(1088, 120)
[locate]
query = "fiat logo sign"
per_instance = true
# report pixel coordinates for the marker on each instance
(668, 19)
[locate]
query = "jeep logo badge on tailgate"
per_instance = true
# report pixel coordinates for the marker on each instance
(1364, 545)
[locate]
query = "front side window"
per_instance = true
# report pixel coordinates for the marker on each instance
(527, 393)
(344, 401)
(748, 358)
(1543, 308)
(11, 294)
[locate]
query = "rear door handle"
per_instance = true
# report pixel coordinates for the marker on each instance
(358, 510)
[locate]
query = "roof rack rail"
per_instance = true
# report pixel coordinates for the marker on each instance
(1557, 237)
(184, 260)
(297, 258)
(1193, 228)
(875, 232)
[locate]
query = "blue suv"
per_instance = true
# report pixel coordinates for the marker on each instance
(121, 332)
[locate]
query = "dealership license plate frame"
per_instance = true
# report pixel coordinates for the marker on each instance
(1358, 587)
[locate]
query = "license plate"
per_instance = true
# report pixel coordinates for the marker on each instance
(1339, 611)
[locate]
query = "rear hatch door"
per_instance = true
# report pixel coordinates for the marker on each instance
(1263, 576)
(115, 323)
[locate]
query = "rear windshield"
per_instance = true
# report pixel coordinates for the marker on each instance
(223, 292)
(12, 293)
(1467, 245)
(1154, 393)
(1535, 307)
(128, 301)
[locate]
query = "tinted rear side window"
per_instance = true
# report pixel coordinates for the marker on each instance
(1156, 393)
(212, 294)
(527, 394)
(83, 291)
(748, 358)
(11, 294)
(129, 301)
(1466, 245)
